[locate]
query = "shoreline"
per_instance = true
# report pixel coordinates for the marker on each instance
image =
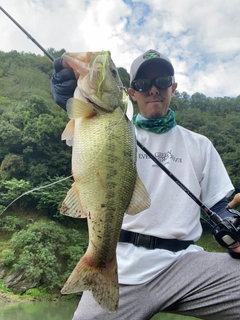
(5, 297)
(11, 298)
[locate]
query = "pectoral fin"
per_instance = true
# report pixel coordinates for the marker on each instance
(140, 199)
(71, 205)
(79, 109)
(68, 133)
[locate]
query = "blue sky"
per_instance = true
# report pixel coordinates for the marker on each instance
(141, 11)
(201, 37)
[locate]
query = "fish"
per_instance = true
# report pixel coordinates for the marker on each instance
(106, 184)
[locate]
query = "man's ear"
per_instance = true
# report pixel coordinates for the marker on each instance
(174, 87)
(131, 92)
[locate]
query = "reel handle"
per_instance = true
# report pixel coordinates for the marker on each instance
(235, 202)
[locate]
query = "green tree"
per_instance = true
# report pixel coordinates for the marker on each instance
(124, 77)
(46, 250)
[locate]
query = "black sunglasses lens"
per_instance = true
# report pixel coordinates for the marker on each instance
(163, 82)
(142, 84)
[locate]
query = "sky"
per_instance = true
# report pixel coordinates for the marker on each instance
(200, 37)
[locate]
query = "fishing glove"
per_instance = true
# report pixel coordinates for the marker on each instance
(63, 83)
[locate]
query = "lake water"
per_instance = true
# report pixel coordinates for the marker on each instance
(59, 310)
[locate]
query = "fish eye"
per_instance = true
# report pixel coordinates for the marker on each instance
(114, 72)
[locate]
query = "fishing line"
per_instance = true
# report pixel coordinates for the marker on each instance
(208, 222)
(35, 189)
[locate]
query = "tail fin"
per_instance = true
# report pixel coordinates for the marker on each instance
(103, 282)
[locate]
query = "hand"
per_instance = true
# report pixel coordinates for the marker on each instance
(237, 249)
(63, 82)
(235, 252)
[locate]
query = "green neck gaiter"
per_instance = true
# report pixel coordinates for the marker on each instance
(160, 125)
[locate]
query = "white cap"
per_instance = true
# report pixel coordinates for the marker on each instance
(151, 56)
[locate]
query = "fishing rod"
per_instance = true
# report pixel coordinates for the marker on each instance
(28, 35)
(226, 231)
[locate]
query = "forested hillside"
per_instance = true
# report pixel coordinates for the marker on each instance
(31, 123)
(32, 153)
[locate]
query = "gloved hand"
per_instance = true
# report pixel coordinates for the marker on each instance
(63, 83)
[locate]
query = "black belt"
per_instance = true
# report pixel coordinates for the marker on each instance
(150, 242)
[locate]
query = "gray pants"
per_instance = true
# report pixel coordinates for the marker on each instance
(200, 284)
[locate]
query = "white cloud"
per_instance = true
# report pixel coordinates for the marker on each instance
(201, 37)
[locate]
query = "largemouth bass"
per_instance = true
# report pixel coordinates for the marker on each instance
(106, 184)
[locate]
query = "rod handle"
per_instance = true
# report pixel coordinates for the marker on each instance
(235, 202)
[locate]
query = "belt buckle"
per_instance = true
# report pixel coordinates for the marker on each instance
(143, 241)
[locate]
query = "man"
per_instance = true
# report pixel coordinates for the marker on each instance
(160, 268)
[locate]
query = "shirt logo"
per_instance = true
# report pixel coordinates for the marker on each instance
(164, 157)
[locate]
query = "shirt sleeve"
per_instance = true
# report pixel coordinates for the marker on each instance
(215, 182)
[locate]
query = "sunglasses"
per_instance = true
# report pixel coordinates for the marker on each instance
(162, 82)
